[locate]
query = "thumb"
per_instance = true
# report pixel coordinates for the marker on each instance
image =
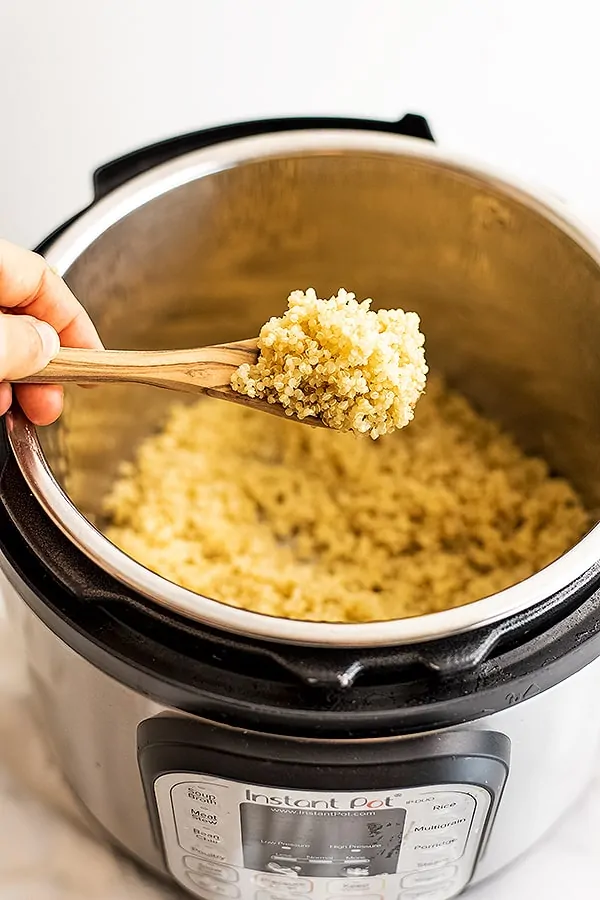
(26, 346)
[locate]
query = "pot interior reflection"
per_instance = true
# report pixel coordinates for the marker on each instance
(510, 304)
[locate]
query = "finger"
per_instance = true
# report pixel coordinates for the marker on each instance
(28, 285)
(26, 346)
(42, 404)
(5, 397)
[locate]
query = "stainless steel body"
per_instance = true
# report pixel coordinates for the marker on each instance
(203, 250)
(91, 721)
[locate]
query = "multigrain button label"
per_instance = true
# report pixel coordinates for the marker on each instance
(439, 826)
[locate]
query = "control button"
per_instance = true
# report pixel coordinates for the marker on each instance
(447, 849)
(355, 887)
(222, 873)
(194, 847)
(203, 817)
(202, 842)
(207, 837)
(195, 793)
(214, 887)
(284, 884)
(441, 824)
(357, 871)
(429, 877)
(435, 894)
(452, 803)
(449, 832)
(267, 895)
(444, 803)
(277, 895)
(284, 866)
(423, 865)
(362, 896)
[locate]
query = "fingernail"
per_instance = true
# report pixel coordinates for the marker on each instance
(50, 339)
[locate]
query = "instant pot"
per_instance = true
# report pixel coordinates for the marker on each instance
(252, 757)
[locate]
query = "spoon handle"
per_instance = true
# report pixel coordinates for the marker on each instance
(195, 370)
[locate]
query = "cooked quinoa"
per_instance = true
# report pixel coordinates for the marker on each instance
(261, 513)
(340, 361)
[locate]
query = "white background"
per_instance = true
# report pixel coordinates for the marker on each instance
(513, 82)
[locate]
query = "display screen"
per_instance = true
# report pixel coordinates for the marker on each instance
(321, 843)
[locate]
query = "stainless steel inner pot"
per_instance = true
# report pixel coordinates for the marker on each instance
(206, 248)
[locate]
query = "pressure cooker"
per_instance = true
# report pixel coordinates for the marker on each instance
(247, 756)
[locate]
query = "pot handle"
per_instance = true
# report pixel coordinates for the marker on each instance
(116, 173)
(119, 171)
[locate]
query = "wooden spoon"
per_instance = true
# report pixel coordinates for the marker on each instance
(205, 370)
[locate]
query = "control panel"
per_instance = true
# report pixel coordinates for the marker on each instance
(398, 819)
(227, 839)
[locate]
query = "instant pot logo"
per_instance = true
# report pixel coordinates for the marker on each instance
(295, 802)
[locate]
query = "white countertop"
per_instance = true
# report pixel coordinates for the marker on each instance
(46, 853)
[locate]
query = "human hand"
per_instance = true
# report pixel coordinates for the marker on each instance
(38, 313)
